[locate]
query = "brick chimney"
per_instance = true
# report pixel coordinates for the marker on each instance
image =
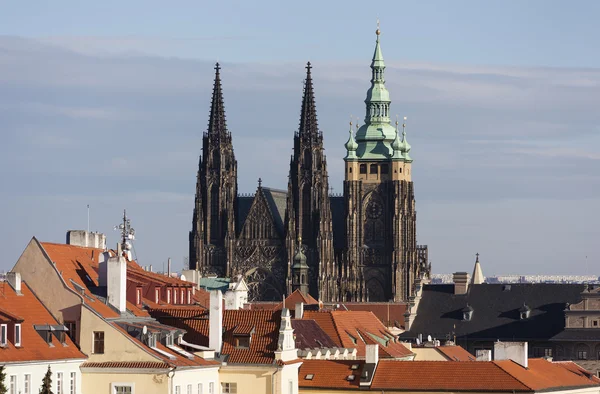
(461, 282)
(14, 280)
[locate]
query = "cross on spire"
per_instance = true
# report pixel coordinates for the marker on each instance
(477, 257)
(259, 182)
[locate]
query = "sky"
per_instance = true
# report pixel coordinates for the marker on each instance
(105, 103)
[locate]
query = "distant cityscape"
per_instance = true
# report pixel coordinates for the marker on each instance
(447, 279)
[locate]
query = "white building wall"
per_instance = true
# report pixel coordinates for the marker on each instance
(38, 370)
(195, 376)
(288, 379)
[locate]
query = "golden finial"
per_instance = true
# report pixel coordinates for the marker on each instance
(396, 121)
(378, 32)
(404, 124)
(350, 121)
(299, 239)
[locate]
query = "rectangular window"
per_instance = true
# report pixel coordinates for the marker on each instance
(229, 388)
(17, 335)
(72, 383)
(242, 342)
(59, 383)
(13, 384)
(123, 389)
(174, 296)
(48, 335)
(72, 327)
(177, 389)
(138, 296)
(182, 300)
(157, 295)
(211, 388)
(548, 352)
(3, 331)
(290, 386)
(189, 297)
(373, 169)
(200, 388)
(189, 389)
(582, 355)
(98, 342)
(168, 296)
(27, 384)
(363, 168)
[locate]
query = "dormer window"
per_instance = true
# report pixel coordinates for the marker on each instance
(157, 294)
(48, 337)
(174, 296)
(169, 340)
(168, 296)
(242, 336)
(467, 313)
(151, 340)
(182, 296)
(3, 334)
(524, 312)
(189, 296)
(138, 296)
(242, 342)
(17, 334)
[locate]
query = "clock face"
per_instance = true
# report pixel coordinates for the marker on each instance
(374, 210)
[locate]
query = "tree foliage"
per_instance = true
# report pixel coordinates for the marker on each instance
(47, 383)
(3, 388)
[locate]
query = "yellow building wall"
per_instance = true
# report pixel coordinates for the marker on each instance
(100, 383)
(428, 354)
(249, 380)
(117, 346)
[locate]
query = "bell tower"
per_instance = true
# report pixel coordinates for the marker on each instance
(380, 261)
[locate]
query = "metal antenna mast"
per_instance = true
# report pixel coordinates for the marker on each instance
(127, 234)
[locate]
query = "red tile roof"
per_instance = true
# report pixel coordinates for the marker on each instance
(459, 376)
(32, 312)
(329, 374)
(456, 353)
(543, 375)
(576, 369)
(356, 329)
(195, 321)
(391, 314)
(127, 364)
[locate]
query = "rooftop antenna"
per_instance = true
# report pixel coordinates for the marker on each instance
(127, 234)
(88, 213)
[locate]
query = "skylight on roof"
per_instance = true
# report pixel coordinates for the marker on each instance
(350, 378)
(354, 367)
(309, 376)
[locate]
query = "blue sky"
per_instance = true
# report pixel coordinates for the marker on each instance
(104, 103)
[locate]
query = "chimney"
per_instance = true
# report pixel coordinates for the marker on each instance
(484, 355)
(372, 354)
(116, 277)
(515, 351)
(461, 282)
(215, 333)
(86, 239)
(299, 310)
(14, 280)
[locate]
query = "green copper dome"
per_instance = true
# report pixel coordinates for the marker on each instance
(397, 146)
(405, 145)
(299, 260)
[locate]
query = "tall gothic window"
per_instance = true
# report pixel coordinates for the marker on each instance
(306, 212)
(214, 213)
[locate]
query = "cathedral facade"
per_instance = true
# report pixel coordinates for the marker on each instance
(359, 247)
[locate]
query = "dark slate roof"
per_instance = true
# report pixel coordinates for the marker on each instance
(578, 334)
(495, 311)
(277, 203)
(310, 335)
(243, 207)
(338, 216)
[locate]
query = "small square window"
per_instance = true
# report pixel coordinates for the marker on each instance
(595, 323)
(242, 342)
(229, 388)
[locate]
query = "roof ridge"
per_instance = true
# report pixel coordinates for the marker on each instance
(509, 374)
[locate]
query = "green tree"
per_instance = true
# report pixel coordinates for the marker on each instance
(47, 383)
(3, 388)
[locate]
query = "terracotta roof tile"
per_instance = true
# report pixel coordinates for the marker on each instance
(195, 321)
(32, 312)
(542, 375)
(391, 314)
(127, 364)
(356, 329)
(330, 374)
(456, 353)
(576, 369)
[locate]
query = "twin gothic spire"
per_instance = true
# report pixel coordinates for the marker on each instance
(216, 121)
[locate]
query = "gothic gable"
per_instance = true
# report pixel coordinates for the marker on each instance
(260, 221)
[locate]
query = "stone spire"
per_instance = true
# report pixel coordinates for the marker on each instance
(397, 145)
(477, 277)
(378, 98)
(308, 113)
(405, 148)
(216, 120)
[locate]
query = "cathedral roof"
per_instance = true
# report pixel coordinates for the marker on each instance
(276, 201)
(216, 120)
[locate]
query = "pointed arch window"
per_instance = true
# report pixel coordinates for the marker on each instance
(214, 213)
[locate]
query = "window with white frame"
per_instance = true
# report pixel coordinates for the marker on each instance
(189, 389)
(73, 383)
(175, 292)
(229, 388)
(138, 296)
(189, 296)
(177, 389)
(157, 295)
(3, 331)
(211, 388)
(59, 383)
(168, 296)
(182, 296)
(17, 335)
(27, 384)
(200, 388)
(13, 384)
(122, 388)
(290, 386)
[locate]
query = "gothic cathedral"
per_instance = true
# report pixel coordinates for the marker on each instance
(359, 247)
